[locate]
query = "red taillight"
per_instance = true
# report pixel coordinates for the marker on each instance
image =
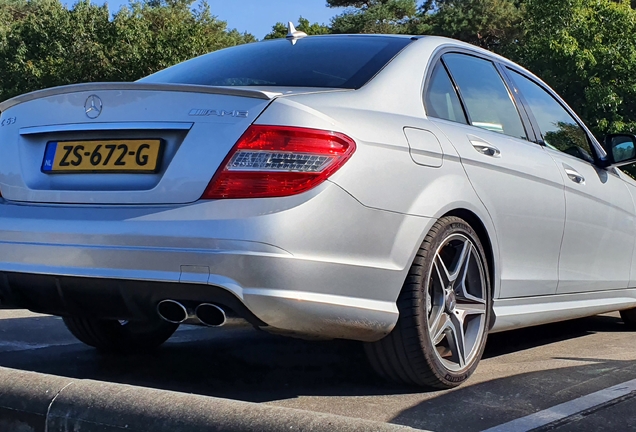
(277, 161)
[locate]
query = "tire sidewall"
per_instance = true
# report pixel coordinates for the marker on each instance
(450, 226)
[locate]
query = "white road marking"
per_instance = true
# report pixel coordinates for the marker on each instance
(6, 346)
(566, 409)
(19, 313)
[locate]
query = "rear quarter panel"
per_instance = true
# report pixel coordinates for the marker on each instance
(382, 174)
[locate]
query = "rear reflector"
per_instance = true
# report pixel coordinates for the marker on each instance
(277, 161)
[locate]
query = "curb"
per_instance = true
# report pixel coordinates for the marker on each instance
(34, 402)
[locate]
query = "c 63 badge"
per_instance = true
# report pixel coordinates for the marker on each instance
(8, 121)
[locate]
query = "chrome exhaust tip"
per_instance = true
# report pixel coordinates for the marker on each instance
(210, 315)
(172, 311)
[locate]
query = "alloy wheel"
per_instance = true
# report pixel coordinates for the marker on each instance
(456, 302)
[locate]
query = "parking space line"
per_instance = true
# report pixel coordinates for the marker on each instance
(6, 346)
(567, 409)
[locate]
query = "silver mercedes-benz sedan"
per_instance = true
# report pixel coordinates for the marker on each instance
(413, 193)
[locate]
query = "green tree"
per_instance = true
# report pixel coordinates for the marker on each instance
(148, 36)
(490, 24)
(586, 50)
(44, 44)
(279, 30)
(374, 16)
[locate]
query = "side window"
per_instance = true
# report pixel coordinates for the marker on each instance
(486, 97)
(441, 98)
(559, 129)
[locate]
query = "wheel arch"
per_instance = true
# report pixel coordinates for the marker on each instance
(475, 222)
(396, 356)
(484, 237)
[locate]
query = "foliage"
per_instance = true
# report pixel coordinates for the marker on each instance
(279, 30)
(44, 44)
(374, 16)
(490, 24)
(586, 50)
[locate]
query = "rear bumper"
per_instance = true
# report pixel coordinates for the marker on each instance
(318, 264)
(109, 298)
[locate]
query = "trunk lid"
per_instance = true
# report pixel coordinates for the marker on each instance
(194, 128)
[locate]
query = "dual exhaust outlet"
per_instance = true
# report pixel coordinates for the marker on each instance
(206, 313)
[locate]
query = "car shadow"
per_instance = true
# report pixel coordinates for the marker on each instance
(236, 362)
(533, 337)
(246, 364)
(478, 407)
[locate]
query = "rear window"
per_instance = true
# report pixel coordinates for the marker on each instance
(334, 61)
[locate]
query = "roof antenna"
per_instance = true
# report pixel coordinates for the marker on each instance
(293, 35)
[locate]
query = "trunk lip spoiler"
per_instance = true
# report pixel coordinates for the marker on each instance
(81, 127)
(104, 86)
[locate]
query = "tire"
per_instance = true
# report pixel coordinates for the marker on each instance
(629, 318)
(120, 336)
(432, 312)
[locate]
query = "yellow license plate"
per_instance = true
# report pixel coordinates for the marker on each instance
(135, 156)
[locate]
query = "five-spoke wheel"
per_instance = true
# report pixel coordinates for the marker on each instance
(445, 308)
(456, 303)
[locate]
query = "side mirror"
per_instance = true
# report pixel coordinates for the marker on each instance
(620, 149)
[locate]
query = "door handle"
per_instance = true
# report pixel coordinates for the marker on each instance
(486, 148)
(574, 175)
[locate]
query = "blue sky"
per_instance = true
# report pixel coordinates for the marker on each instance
(257, 16)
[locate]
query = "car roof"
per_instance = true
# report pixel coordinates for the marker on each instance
(439, 40)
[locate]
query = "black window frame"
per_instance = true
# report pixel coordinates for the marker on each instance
(521, 108)
(443, 66)
(598, 151)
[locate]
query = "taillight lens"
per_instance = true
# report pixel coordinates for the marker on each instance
(277, 161)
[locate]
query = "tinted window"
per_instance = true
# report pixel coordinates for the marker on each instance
(485, 95)
(559, 129)
(330, 61)
(441, 97)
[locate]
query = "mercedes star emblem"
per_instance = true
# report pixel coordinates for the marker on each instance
(93, 106)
